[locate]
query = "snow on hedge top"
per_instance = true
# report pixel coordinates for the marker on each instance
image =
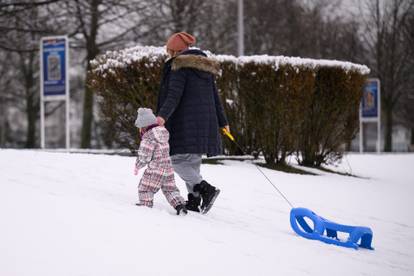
(123, 58)
(297, 62)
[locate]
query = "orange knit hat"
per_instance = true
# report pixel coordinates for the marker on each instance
(180, 41)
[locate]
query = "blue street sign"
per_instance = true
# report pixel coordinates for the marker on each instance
(370, 99)
(54, 66)
(370, 111)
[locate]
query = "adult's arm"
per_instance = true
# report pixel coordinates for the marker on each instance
(175, 91)
(222, 119)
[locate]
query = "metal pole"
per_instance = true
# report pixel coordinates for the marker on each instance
(240, 28)
(67, 93)
(361, 134)
(42, 111)
(378, 136)
(379, 118)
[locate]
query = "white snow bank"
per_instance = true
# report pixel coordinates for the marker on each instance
(121, 59)
(74, 214)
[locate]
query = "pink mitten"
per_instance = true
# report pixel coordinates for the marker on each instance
(160, 121)
(135, 171)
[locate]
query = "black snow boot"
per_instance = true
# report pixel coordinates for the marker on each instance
(193, 203)
(208, 193)
(181, 210)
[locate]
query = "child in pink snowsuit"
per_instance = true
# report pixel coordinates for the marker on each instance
(154, 151)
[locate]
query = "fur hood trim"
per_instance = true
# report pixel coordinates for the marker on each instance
(196, 62)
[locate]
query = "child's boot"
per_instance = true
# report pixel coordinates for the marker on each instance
(181, 210)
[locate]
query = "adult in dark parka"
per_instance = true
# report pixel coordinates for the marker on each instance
(190, 108)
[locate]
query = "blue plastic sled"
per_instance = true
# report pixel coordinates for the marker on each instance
(327, 231)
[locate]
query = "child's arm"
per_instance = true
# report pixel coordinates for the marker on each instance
(145, 151)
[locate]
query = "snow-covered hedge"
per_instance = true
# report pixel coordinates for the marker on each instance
(276, 105)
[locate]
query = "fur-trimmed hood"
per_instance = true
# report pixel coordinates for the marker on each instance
(198, 62)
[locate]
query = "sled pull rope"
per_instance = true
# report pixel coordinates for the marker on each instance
(228, 134)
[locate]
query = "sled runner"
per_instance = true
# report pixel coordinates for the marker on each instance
(327, 231)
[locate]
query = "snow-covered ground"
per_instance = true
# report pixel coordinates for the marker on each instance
(74, 214)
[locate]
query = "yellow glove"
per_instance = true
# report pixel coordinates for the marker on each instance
(225, 132)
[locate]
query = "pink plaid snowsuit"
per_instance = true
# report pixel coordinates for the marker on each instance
(154, 150)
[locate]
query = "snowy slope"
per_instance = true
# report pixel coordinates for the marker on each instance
(74, 214)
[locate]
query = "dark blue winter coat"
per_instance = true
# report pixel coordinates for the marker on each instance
(189, 102)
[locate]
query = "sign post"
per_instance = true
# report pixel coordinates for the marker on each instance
(370, 111)
(54, 78)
